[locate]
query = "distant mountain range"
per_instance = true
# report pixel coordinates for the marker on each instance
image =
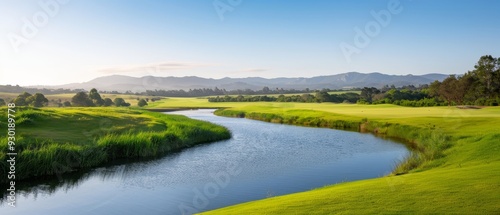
(339, 81)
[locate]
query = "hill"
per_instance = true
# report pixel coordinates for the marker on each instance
(344, 80)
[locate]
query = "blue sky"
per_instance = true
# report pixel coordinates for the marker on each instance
(78, 40)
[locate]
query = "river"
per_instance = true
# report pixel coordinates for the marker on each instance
(259, 161)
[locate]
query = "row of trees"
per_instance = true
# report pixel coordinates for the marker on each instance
(26, 99)
(322, 96)
(220, 92)
(45, 91)
(94, 99)
(480, 86)
(81, 99)
(392, 96)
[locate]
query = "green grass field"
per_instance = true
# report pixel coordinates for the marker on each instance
(463, 177)
(57, 140)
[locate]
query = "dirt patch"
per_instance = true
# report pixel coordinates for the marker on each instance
(363, 127)
(469, 107)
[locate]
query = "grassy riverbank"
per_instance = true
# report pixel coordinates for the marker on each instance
(52, 141)
(455, 167)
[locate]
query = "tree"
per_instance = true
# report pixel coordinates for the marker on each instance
(487, 69)
(323, 96)
(306, 97)
(66, 104)
(37, 100)
(119, 102)
(81, 99)
(108, 102)
(449, 89)
(96, 97)
(2, 102)
(385, 88)
(367, 93)
(142, 103)
(434, 88)
(20, 100)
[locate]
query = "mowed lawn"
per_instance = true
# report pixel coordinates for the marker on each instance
(466, 180)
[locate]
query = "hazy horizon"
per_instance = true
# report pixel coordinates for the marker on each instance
(55, 42)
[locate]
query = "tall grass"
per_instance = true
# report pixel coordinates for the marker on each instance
(427, 144)
(151, 135)
(291, 119)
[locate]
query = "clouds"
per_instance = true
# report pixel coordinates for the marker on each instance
(254, 70)
(172, 68)
(247, 72)
(153, 68)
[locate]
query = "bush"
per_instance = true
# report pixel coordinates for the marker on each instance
(120, 102)
(67, 104)
(480, 102)
(493, 102)
(142, 103)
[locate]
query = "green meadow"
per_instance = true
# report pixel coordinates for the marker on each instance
(454, 166)
(52, 141)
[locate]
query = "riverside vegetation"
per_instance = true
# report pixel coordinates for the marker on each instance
(52, 141)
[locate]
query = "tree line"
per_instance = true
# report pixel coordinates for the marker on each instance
(221, 92)
(480, 87)
(80, 99)
(320, 96)
(45, 91)
(94, 99)
(26, 99)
